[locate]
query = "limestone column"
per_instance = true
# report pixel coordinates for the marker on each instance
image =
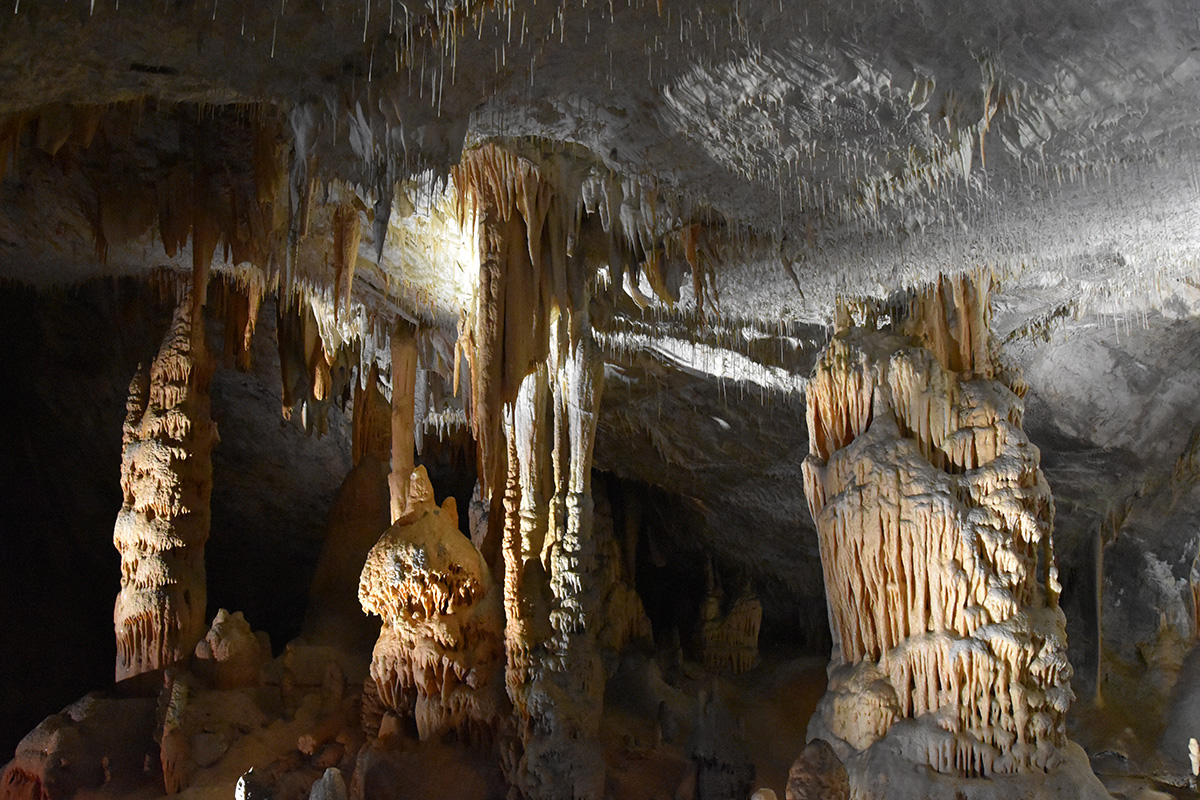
(935, 521)
(526, 517)
(166, 477)
(554, 577)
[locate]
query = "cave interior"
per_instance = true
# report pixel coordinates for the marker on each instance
(575, 400)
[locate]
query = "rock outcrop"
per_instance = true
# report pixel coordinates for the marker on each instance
(166, 477)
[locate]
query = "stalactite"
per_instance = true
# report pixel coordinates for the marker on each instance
(440, 653)
(934, 523)
(372, 424)
(166, 477)
(347, 233)
(312, 377)
(521, 252)
(238, 301)
(404, 369)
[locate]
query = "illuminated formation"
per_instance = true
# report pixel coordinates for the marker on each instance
(166, 475)
(439, 654)
(935, 532)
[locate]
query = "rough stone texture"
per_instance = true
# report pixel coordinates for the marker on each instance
(166, 472)
(818, 774)
(782, 154)
(554, 575)
(728, 635)
(439, 655)
(359, 517)
(92, 743)
(723, 767)
(231, 654)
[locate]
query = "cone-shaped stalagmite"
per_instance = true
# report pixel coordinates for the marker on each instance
(934, 522)
(166, 477)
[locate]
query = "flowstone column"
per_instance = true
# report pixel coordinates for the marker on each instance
(554, 581)
(935, 522)
(166, 477)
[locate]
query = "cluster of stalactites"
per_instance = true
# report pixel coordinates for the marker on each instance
(313, 376)
(440, 654)
(934, 522)
(216, 196)
(523, 226)
(238, 299)
(166, 478)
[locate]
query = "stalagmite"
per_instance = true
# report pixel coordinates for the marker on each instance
(404, 377)
(440, 653)
(934, 522)
(728, 637)
(166, 477)
(231, 654)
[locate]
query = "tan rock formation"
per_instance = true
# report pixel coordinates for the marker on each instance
(166, 476)
(817, 774)
(238, 300)
(372, 433)
(440, 654)
(935, 522)
(404, 377)
(728, 637)
(174, 743)
(95, 745)
(231, 654)
(359, 516)
(555, 577)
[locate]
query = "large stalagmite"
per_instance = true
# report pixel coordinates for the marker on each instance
(166, 476)
(935, 524)
(439, 656)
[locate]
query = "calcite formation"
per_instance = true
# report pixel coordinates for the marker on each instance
(728, 635)
(166, 477)
(231, 653)
(404, 376)
(359, 516)
(935, 532)
(440, 652)
(554, 576)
